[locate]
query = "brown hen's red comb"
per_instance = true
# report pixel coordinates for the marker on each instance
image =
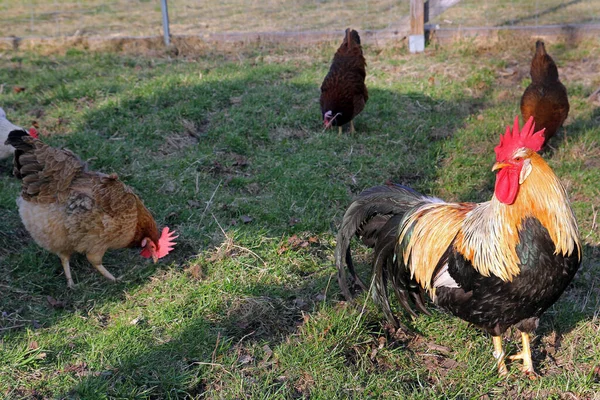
(166, 242)
(518, 139)
(33, 133)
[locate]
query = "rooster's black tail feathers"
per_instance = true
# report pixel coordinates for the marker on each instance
(375, 217)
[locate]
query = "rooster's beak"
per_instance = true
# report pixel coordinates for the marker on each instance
(499, 165)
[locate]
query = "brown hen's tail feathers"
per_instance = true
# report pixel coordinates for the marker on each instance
(375, 217)
(19, 140)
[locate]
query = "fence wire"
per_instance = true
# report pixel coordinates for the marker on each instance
(116, 18)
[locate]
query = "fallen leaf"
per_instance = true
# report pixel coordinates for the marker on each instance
(245, 359)
(282, 249)
(193, 203)
(507, 72)
(449, 363)
(268, 352)
(170, 187)
(440, 349)
(80, 369)
(55, 303)
(33, 345)
(19, 89)
(596, 374)
(195, 271)
(240, 161)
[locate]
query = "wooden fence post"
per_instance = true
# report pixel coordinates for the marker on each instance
(416, 40)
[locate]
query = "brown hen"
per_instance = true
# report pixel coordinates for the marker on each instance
(546, 97)
(68, 209)
(343, 92)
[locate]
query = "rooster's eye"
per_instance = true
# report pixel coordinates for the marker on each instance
(518, 159)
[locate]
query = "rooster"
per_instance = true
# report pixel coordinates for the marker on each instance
(5, 128)
(546, 97)
(68, 209)
(343, 92)
(496, 264)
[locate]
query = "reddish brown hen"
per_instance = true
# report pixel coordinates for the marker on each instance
(68, 209)
(343, 92)
(546, 97)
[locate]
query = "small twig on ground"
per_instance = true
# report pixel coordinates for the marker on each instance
(594, 96)
(14, 289)
(244, 337)
(327, 287)
(209, 202)
(214, 353)
(12, 327)
(235, 245)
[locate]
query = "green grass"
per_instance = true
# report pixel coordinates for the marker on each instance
(228, 150)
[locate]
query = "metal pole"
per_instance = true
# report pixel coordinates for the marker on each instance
(165, 20)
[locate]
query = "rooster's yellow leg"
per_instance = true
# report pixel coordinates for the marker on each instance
(352, 127)
(340, 130)
(96, 261)
(499, 355)
(525, 355)
(67, 268)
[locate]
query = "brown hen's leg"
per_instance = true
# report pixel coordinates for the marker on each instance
(525, 355)
(340, 130)
(96, 261)
(352, 127)
(64, 259)
(499, 355)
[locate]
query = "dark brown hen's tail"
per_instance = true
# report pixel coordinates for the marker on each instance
(375, 217)
(352, 38)
(46, 172)
(543, 68)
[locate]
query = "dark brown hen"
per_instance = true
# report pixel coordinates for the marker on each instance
(546, 97)
(343, 92)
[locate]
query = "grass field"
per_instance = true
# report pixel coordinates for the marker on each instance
(228, 149)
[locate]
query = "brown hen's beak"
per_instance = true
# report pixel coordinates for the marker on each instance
(155, 258)
(499, 165)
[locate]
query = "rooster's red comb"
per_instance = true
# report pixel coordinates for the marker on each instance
(519, 138)
(33, 133)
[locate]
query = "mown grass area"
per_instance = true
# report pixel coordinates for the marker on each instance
(228, 149)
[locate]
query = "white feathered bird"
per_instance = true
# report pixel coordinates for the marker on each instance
(5, 128)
